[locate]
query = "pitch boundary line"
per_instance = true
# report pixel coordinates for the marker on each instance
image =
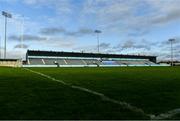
(101, 95)
(167, 115)
(126, 105)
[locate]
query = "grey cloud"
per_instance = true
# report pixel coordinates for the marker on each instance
(138, 32)
(143, 46)
(14, 37)
(24, 46)
(84, 31)
(157, 12)
(168, 57)
(52, 31)
(170, 16)
(132, 44)
(107, 48)
(105, 45)
(80, 32)
(128, 44)
(61, 6)
(60, 30)
(27, 38)
(59, 42)
(90, 48)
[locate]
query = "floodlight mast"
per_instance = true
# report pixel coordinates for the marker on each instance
(0, 47)
(98, 32)
(22, 35)
(6, 15)
(172, 54)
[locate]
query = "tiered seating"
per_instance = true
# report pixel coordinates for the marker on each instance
(109, 63)
(89, 62)
(51, 61)
(61, 62)
(150, 63)
(36, 61)
(135, 62)
(74, 62)
(122, 62)
(81, 59)
(92, 62)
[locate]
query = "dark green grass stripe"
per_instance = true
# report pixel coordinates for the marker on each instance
(24, 95)
(154, 89)
(102, 96)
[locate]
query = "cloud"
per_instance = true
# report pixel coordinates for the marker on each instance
(104, 45)
(24, 46)
(132, 19)
(171, 16)
(128, 44)
(53, 41)
(16, 54)
(80, 32)
(61, 6)
(60, 30)
(138, 32)
(89, 48)
(135, 17)
(104, 48)
(27, 38)
(108, 48)
(57, 42)
(52, 31)
(132, 44)
(167, 11)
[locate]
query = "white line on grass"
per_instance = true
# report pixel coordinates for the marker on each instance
(101, 95)
(126, 105)
(167, 115)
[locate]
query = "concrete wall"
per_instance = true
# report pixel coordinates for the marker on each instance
(6, 63)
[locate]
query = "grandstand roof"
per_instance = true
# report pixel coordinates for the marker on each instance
(79, 54)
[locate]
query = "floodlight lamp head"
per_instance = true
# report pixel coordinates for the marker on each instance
(98, 31)
(8, 15)
(171, 40)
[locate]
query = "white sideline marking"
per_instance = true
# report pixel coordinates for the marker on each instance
(43, 75)
(167, 115)
(101, 95)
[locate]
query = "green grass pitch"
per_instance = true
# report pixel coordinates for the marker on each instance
(25, 95)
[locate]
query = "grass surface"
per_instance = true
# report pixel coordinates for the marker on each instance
(24, 95)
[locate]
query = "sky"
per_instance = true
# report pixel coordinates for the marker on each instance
(128, 26)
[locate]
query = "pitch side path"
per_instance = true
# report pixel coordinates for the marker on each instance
(148, 90)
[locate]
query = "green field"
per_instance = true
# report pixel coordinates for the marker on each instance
(26, 95)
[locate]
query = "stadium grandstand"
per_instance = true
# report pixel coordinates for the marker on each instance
(76, 59)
